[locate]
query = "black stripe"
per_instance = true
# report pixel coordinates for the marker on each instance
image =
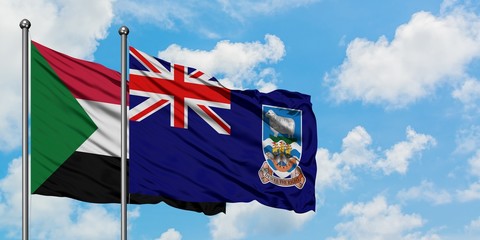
(96, 179)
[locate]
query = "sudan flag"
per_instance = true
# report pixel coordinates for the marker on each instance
(75, 132)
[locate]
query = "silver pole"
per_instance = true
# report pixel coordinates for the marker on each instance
(25, 26)
(123, 31)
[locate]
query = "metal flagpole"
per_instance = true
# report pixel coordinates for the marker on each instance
(123, 31)
(25, 25)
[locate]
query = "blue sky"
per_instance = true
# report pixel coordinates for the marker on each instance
(395, 88)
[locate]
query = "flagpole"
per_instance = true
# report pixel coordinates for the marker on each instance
(123, 31)
(25, 26)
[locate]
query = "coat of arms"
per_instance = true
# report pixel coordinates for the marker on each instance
(282, 147)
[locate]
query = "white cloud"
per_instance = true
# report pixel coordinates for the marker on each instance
(336, 168)
(413, 65)
(134, 213)
(245, 219)
(420, 236)
(357, 152)
(164, 13)
(471, 231)
(61, 25)
(238, 63)
(170, 234)
(473, 226)
(60, 218)
(197, 16)
(377, 220)
(468, 140)
(268, 80)
(243, 9)
(334, 172)
(468, 94)
(73, 27)
(474, 163)
(398, 157)
(11, 196)
(425, 191)
(470, 194)
(52, 217)
(448, 5)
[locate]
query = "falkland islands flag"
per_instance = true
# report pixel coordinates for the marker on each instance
(75, 125)
(192, 139)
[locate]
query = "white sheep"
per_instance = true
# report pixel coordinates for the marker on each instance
(279, 124)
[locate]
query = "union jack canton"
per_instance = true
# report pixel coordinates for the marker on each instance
(166, 84)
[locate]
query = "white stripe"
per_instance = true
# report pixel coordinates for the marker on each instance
(149, 74)
(204, 79)
(195, 107)
(106, 139)
(192, 101)
(152, 99)
(165, 72)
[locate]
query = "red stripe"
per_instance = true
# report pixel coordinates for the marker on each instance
(179, 97)
(197, 74)
(85, 80)
(215, 118)
(148, 110)
(144, 60)
(185, 89)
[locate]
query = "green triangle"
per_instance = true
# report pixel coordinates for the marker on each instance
(59, 124)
